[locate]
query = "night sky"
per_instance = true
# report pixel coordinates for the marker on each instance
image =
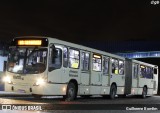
(81, 22)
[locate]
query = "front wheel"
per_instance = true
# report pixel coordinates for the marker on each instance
(71, 92)
(113, 91)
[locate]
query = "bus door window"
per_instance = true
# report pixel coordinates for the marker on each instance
(97, 62)
(121, 67)
(65, 57)
(85, 61)
(114, 66)
(135, 71)
(73, 58)
(105, 65)
(55, 58)
(142, 71)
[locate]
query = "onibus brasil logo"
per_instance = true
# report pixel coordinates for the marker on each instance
(22, 107)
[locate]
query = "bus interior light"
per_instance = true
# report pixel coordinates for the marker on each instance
(97, 56)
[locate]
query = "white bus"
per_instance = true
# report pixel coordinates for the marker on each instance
(144, 79)
(44, 66)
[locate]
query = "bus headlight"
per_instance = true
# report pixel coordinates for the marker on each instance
(7, 79)
(39, 81)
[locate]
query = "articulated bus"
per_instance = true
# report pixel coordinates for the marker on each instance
(44, 66)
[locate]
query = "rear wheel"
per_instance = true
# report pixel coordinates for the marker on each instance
(113, 91)
(144, 92)
(71, 92)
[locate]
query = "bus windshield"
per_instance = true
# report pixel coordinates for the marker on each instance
(27, 60)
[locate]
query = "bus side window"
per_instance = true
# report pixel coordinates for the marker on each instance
(155, 71)
(85, 61)
(149, 73)
(142, 71)
(135, 71)
(73, 58)
(114, 66)
(97, 62)
(65, 57)
(121, 67)
(105, 65)
(152, 73)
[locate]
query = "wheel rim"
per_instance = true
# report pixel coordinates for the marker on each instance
(71, 93)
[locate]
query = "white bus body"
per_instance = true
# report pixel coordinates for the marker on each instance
(144, 76)
(71, 69)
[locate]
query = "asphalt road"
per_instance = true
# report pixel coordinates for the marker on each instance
(93, 104)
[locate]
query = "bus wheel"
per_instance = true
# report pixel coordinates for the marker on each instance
(36, 96)
(71, 92)
(144, 92)
(113, 92)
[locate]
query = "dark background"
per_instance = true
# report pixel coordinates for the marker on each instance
(98, 24)
(110, 25)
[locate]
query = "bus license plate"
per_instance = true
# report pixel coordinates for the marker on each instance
(21, 91)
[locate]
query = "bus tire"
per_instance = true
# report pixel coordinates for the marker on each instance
(113, 91)
(71, 92)
(144, 92)
(36, 96)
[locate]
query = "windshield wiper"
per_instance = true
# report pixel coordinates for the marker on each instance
(32, 52)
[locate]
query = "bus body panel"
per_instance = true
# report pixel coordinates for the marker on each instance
(50, 89)
(22, 83)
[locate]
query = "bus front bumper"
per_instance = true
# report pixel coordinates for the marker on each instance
(49, 89)
(18, 88)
